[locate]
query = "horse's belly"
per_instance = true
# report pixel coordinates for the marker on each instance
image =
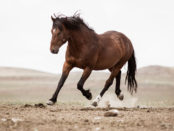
(104, 66)
(106, 63)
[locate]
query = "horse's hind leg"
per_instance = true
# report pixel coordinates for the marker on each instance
(117, 87)
(106, 87)
(85, 75)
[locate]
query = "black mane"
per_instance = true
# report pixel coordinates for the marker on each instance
(73, 23)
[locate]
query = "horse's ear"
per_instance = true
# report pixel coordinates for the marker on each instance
(53, 19)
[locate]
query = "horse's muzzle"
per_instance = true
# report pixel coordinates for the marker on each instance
(54, 51)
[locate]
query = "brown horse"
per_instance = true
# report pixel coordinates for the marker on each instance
(89, 51)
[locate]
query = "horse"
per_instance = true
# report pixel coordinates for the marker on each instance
(89, 51)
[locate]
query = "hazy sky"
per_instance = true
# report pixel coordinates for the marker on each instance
(25, 29)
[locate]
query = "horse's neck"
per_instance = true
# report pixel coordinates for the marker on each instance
(74, 42)
(80, 39)
(79, 43)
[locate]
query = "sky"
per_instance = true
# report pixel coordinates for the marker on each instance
(25, 29)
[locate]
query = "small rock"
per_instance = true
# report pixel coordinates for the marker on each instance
(138, 124)
(40, 105)
(96, 123)
(7, 113)
(35, 129)
(3, 119)
(97, 118)
(148, 110)
(111, 113)
(163, 126)
(16, 119)
(27, 105)
(86, 120)
(97, 129)
(76, 126)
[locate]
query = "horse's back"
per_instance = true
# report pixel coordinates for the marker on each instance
(116, 39)
(114, 47)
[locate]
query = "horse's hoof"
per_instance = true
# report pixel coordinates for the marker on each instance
(88, 95)
(121, 97)
(94, 104)
(96, 101)
(50, 103)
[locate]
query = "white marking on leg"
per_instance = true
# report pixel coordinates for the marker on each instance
(96, 100)
(50, 103)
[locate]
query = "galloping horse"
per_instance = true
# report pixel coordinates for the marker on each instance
(89, 51)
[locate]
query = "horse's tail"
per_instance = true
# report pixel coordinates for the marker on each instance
(130, 76)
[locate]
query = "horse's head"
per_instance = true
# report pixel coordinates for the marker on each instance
(59, 35)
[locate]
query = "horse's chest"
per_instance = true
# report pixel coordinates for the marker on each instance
(80, 62)
(85, 57)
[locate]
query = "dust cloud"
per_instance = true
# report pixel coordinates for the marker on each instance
(110, 99)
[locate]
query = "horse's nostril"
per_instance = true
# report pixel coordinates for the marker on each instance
(54, 51)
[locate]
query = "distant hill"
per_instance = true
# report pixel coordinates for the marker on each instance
(18, 85)
(144, 71)
(156, 70)
(19, 72)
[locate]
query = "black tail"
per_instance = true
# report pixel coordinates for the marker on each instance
(130, 76)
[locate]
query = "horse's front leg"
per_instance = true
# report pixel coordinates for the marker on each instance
(86, 73)
(66, 69)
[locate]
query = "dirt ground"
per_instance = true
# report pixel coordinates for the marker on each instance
(79, 118)
(21, 86)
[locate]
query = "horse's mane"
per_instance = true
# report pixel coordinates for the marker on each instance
(73, 23)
